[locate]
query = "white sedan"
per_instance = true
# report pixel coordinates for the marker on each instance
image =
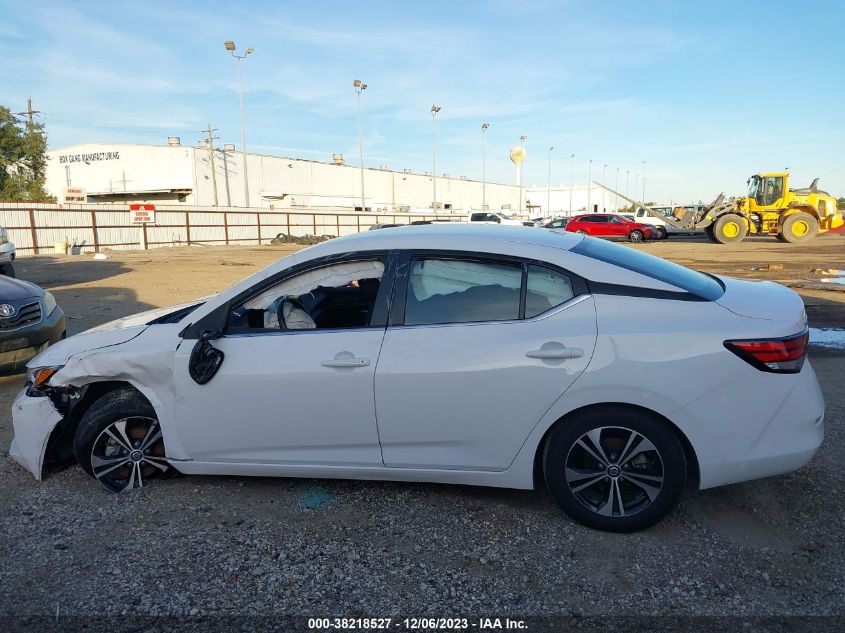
(494, 356)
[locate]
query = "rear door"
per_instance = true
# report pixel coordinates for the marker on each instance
(477, 350)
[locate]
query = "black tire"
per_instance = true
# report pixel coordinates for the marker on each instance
(729, 228)
(799, 227)
(582, 232)
(7, 269)
(660, 232)
(117, 464)
(564, 457)
(636, 236)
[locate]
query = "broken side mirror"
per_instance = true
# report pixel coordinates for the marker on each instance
(205, 358)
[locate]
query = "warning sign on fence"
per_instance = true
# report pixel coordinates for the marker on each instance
(142, 213)
(75, 195)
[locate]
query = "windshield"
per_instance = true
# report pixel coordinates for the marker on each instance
(668, 272)
(753, 186)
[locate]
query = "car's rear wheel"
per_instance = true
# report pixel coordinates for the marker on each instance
(7, 269)
(660, 233)
(119, 441)
(582, 232)
(636, 236)
(616, 469)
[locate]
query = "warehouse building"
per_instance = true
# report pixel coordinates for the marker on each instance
(178, 174)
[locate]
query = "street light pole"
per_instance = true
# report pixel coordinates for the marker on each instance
(359, 88)
(484, 127)
(616, 190)
(571, 180)
(604, 182)
(434, 110)
(643, 182)
(549, 183)
(522, 146)
(590, 186)
(230, 46)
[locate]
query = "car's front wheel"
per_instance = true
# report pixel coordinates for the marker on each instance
(119, 441)
(615, 468)
(7, 269)
(636, 236)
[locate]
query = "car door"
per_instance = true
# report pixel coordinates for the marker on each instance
(477, 350)
(295, 396)
(618, 227)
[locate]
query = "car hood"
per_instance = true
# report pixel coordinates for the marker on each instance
(15, 289)
(59, 353)
(106, 335)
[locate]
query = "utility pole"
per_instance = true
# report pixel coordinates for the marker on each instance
(30, 113)
(210, 143)
(590, 186)
(571, 180)
(604, 180)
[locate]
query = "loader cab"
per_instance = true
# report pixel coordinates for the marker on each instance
(767, 190)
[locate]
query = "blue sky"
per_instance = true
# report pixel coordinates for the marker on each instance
(706, 93)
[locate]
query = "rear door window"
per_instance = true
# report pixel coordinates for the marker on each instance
(546, 289)
(462, 291)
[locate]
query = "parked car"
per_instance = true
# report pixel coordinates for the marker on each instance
(557, 223)
(609, 225)
(481, 355)
(493, 217)
(30, 321)
(7, 254)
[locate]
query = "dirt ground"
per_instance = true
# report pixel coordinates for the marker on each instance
(228, 545)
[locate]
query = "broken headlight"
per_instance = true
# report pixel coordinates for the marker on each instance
(38, 378)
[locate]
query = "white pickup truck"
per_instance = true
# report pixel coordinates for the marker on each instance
(7, 254)
(662, 228)
(493, 217)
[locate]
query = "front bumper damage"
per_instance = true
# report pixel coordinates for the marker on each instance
(34, 420)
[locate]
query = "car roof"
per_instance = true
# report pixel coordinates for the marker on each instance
(446, 236)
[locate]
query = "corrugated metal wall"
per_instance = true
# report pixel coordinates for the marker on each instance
(35, 228)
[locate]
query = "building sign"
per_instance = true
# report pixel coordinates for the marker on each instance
(88, 158)
(75, 195)
(142, 213)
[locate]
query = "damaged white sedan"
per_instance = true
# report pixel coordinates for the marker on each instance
(512, 357)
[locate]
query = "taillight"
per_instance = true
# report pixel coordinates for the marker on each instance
(780, 355)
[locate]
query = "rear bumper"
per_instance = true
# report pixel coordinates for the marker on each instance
(757, 448)
(18, 347)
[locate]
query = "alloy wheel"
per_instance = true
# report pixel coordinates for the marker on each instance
(127, 452)
(614, 471)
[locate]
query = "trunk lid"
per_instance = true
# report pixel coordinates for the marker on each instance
(766, 300)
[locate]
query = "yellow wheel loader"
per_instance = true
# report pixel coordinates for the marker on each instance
(770, 208)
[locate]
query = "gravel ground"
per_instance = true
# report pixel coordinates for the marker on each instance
(254, 546)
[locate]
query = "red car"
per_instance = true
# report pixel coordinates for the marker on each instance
(609, 225)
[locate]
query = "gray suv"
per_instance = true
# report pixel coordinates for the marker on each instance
(30, 321)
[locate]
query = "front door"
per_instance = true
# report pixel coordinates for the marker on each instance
(296, 383)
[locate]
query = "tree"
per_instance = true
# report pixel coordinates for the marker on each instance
(841, 203)
(23, 160)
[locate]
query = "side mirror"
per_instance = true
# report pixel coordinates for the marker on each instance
(498, 220)
(205, 359)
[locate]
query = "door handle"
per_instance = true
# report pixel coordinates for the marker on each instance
(346, 362)
(555, 352)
